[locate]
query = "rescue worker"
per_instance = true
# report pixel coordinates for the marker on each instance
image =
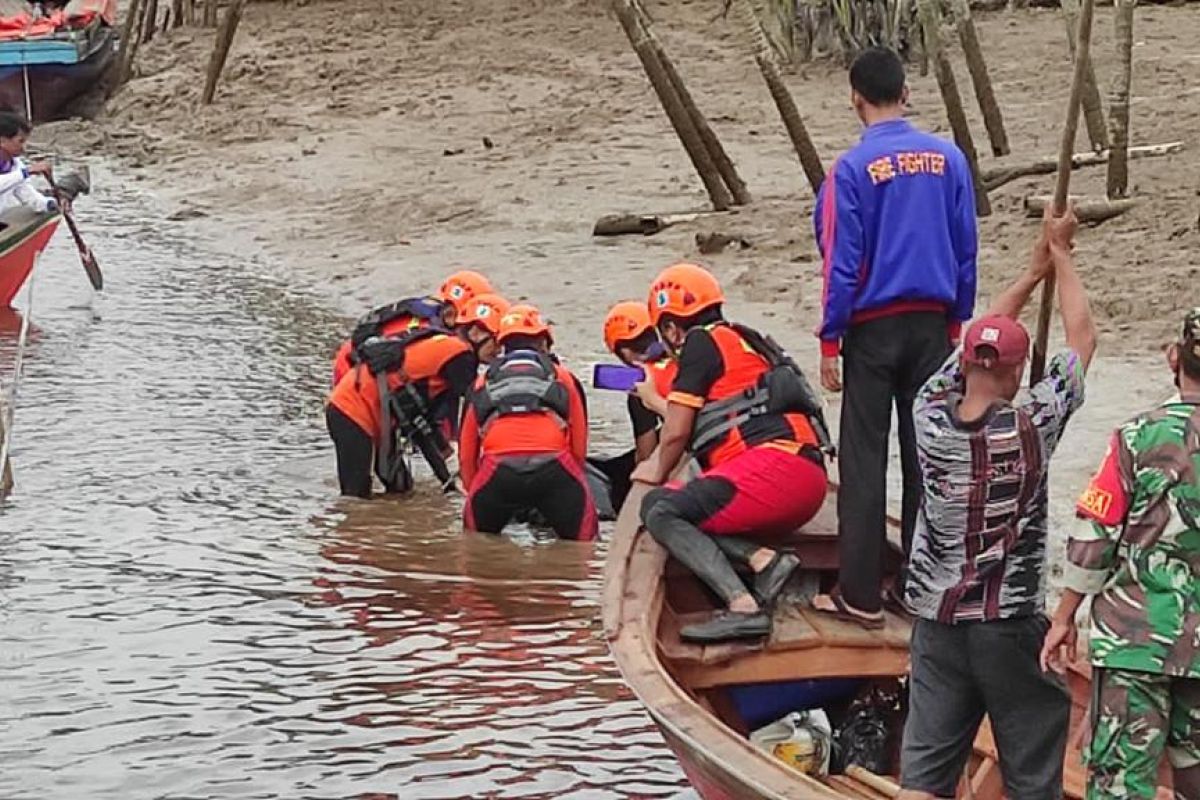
(410, 313)
(525, 435)
(895, 223)
(407, 384)
(630, 336)
(479, 324)
(745, 411)
(1137, 551)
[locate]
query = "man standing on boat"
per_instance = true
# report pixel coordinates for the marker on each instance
(15, 187)
(976, 577)
(1138, 552)
(895, 222)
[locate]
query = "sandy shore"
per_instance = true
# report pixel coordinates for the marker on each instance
(348, 145)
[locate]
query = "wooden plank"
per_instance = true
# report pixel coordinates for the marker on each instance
(791, 630)
(839, 633)
(819, 662)
(852, 788)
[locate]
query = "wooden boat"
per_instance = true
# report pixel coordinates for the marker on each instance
(57, 58)
(23, 235)
(692, 691)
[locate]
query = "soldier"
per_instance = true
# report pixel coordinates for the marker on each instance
(1138, 552)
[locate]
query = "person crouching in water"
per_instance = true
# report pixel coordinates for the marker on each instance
(525, 435)
(409, 385)
(747, 414)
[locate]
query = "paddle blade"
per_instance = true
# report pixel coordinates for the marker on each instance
(92, 268)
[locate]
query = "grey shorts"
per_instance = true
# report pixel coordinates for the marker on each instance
(961, 672)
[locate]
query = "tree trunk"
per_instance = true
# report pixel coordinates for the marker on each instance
(1093, 108)
(1062, 183)
(1118, 103)
(721, 160)
(806, 151)
(151, 23)
(982, 82)
(233, 15)
(129, 40)
(681, 121)
(948, 86)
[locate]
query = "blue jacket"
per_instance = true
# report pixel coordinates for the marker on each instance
(895, 222)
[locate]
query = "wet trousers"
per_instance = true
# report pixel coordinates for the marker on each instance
(886, 362)
(701, 523)
(355, 449)
(553, 485)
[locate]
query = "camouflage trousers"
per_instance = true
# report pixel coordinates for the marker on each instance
(1136, 717)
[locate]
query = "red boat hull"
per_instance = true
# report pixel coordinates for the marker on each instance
(24, 236)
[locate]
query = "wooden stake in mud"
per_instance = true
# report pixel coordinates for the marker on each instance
(681, 121)
(221, 49)
(1062, 184)
(1118, 103)
(149, 24)
(129, 37)
(176, 13)
(764, 56)
(948, 86)
(210, 13)
(993, 120)
(724, 165)
(1093, 109)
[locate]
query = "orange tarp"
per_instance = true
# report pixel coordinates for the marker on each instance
(75, 14)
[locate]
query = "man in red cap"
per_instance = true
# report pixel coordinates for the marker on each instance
(976, 579)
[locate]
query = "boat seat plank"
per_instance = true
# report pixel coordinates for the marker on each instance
(765, 666)
(852, 788)
(838, 632)
(791, 630)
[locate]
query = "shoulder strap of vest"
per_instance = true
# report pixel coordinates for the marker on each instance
(372, 323)
(386, 353)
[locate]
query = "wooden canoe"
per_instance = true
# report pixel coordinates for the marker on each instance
(687, 689)
(23, 235)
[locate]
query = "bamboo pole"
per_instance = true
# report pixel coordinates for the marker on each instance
(993, 120)
(680, 120)
(1062, 184)
(1093, 108)
(129, 36)
(720, 159)
(1118, 102)
(764, 56)
(948, 86)
(233, 15)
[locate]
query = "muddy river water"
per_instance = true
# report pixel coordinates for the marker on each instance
(188, 611)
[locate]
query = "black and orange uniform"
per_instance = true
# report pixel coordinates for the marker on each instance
(757, 435)
(522, 447)
(438, 369)
(661, 372)
(394, 319)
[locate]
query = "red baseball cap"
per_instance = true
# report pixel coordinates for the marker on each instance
(1007, 337)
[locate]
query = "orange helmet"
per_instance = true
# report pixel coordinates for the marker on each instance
(522, 319)
(625, 321)
(485, 309)
(461, 287)
(683, 290)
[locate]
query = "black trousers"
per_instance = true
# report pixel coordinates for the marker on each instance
(512, 485)
(885, 362)
(355, 451)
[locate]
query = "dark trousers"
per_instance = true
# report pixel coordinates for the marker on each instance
(552, 485)
(961, 672)
(886, 361)
(355, 451)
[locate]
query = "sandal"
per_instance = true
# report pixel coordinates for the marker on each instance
(834, 605)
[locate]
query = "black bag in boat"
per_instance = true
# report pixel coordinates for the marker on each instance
(868, 732)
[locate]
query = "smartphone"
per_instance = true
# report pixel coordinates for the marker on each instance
(616, 377)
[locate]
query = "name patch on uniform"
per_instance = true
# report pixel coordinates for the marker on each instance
(885, 168)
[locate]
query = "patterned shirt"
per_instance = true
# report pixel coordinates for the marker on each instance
(979, 547)
(1138, 545)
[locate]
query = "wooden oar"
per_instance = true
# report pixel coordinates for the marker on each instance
(86, 256)
(1062, 184)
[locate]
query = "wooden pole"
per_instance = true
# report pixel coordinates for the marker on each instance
(176, 13)
(993, 120)
(1062, 183)
(948, 86)
(1001, 172)
(1093, 109)
(210, 13)
(720, 159)
(1087, 209)
(1118, 103)
(149, 24)
(6, 476)
(129, 36)
(764, 56)
(672, 105)
(233, 15)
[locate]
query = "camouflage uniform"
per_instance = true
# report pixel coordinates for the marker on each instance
(1138, 551)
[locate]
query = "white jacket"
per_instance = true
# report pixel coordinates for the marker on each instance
(16, 189)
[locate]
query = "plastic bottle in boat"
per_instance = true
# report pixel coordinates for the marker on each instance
(802, 739)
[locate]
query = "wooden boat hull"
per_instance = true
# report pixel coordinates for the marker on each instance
(54, 86)
(25, 234)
